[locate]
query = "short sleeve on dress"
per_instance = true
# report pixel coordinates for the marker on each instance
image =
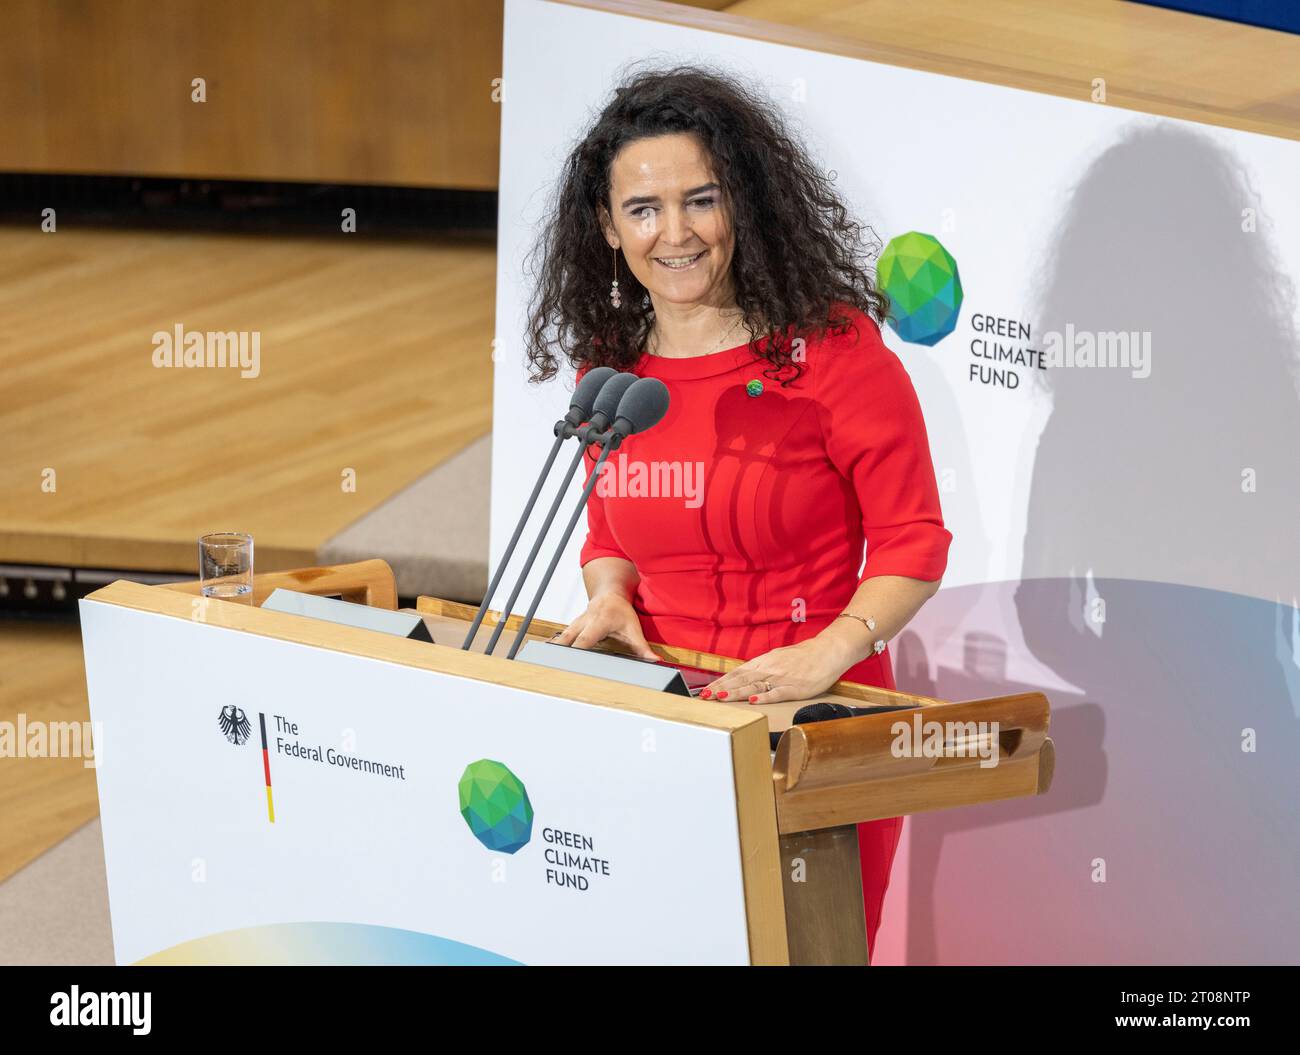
(875, 436)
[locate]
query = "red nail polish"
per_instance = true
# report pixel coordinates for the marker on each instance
(753, 699)
(722, 695)
(706, 693)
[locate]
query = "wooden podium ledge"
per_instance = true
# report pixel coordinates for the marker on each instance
(824, 774)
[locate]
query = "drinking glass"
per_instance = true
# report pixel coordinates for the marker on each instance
(226, 566)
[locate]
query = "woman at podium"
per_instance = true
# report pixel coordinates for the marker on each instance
(693, 240)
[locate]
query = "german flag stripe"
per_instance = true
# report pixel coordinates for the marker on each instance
(266, 767)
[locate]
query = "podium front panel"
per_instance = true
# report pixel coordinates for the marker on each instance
(270, 800)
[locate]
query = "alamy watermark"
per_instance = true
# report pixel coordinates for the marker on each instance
(1113, 349)
(123, 1009)
(236, 349)
(927, 738)
(40, 739)
(637, 479)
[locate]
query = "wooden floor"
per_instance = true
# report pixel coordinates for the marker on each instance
(42, 800)
(375, 358)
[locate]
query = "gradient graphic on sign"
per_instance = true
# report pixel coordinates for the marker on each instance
(325, 943)
(494, 803)
(920, 277)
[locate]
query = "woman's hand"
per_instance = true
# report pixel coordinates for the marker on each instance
(803, 670)
(608, 614)
(794, 673)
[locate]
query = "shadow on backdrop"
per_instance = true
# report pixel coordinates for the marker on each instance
(1159, 576)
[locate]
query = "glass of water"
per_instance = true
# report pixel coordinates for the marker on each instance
(226, 566)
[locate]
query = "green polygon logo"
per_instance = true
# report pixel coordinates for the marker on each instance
(920, 278)
(494, 803)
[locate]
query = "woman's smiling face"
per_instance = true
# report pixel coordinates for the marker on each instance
(669, 219)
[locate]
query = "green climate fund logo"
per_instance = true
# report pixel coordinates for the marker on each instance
(920, 277)
(494, 803)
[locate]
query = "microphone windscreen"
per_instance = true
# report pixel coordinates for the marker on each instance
(584, 396)
(611, 393)
(643, 405)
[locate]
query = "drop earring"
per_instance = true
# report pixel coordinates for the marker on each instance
(614, 297)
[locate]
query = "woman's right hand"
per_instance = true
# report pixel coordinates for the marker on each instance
(608, 614)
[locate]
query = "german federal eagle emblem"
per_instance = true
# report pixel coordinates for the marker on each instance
(235, 725)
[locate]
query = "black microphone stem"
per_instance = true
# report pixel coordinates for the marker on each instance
(514, 541)
(537, 546)
(612, 441)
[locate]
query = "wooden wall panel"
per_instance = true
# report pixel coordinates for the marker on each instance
(358, 91)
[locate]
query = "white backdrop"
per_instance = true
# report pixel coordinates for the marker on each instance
(986, 169)
(1171, 499)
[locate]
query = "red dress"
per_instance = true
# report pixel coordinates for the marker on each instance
(746, 515)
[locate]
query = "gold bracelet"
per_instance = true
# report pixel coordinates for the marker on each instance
(877, 646)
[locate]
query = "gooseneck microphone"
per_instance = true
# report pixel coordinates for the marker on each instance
(604, 410)
(642, 407)
(580, 410)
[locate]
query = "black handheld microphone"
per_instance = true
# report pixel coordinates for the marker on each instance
(642, 407)
(580, 410)
(603, 411)
(826, 711)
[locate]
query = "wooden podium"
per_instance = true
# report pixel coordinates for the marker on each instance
(794, 862)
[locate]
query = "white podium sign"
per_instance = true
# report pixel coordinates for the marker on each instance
(273, 801)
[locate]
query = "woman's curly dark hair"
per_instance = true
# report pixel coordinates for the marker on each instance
(798, 253)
